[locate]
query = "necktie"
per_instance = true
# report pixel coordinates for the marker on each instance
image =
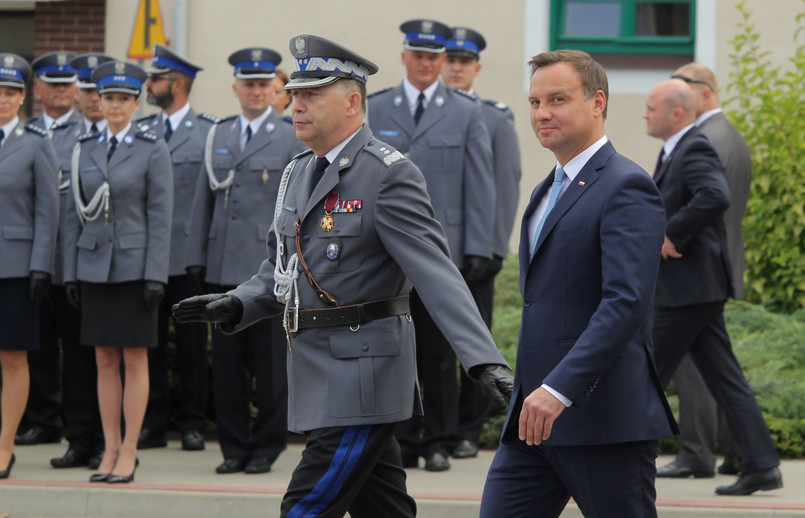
(112, 147)
(660, 161)
(2, 136)
(248, 135)
(556, 187)
(420, 107)
(93, 128)
(318, 171)
(168, 130)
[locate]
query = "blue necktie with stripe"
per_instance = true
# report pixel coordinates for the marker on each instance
(556, 188)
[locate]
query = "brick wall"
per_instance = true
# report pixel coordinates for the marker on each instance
(74, 25)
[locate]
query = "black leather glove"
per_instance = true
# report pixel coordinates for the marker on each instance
(73, 294)
(496, 382)
(196, 275)
(40, 285)
(218, 308)
(475, 267)
(153, 293)
(495, 265)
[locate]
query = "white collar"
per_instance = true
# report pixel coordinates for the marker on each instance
(101, 125)
(674, 139)
(255, 123)
(8, 128)
(50, 121)
(706, 115)
(577, 163)
(176, 117)
(333, 153)
(119, 135)
(412, 93)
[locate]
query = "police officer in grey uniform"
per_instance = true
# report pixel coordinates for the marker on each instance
(54, 86)
(237, 187)
(441, 130)
(352, 224)
(29, 218)
(89, 100)
(462, 67)
(185, 131)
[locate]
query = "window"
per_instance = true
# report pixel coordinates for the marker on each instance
(617, 27)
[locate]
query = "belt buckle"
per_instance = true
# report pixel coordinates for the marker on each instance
(291, 326)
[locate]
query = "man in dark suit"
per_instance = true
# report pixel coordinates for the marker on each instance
(587, 402)
(701, 423)
(694, 280)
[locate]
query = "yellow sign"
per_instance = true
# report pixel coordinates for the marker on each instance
(148, 30)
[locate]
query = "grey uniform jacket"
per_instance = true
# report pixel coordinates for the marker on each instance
(499, 121)
(228, 232)
(342, 376)
(451, 147)
(133, 243)
(29, 202)
(186, 147)
(64, 137)
(731, 149)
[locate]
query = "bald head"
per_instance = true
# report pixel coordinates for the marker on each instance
(703, 83)
(671, 106)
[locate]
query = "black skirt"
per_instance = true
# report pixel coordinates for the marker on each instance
(19, 316)
(114, 315)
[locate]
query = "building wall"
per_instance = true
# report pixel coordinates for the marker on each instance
(514, 30)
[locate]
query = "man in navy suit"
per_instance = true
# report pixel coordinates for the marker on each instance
(587, 407)
(695, 280)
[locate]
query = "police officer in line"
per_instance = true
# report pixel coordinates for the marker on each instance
(462, 67)
(237, 187)
(116, 253)
(441, 130)
(89, 101)
(354, 225)
(168, 86)
(54, 86)
(29, 217)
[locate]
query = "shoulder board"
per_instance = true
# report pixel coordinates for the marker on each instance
(36, 129)
(146, 118)
(62, 125)
(225, 119)
(150, 137)
(88, 136)
(462, 92)
(495, 104)
(379, 92)
(209, 117)
(385, 153)
(303, 153)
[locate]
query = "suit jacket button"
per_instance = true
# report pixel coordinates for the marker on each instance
(365, 348)
(526, 302)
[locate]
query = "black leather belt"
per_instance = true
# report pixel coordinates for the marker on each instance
(349, 315)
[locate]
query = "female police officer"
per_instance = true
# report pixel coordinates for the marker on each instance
(116, 249)
(29, 216)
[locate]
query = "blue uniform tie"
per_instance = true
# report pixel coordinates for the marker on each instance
(168, 130)
(556, 188)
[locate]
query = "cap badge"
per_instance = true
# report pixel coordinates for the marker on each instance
(439, 100)
(427, 26)
(299, 43)
(61, 59)
(120, 67)
(397, 100)
(257, 55)
(344, 161)
(92, 61)
(8, 61)
(461, 34)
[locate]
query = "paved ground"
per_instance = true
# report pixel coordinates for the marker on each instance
(176, 484)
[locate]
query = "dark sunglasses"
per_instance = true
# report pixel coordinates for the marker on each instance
(690, 80)
(159, 77)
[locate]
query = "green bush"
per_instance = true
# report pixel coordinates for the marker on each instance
(769, 111)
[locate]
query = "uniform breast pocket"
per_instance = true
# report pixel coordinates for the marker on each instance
(266, 172)
(185, 169)
(340, 246)
(364, 379)
(222, 163)
(447, 149)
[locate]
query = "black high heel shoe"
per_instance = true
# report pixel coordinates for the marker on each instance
(6, 472)
(123, 479)
(99, 477)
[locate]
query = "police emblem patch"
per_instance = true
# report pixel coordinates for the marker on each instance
(332, 251)
(61, 59)
(461, 34)
(439, 101)
(427, 26)
(301, 47)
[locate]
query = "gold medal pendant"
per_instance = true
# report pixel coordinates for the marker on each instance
(327, 222)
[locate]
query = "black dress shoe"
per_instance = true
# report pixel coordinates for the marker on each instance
(95, 460)
(730, 466)
(676, 470)
(6, 472)
(38, 435)
(123, 479)
(436, 461)
(98, 477)
(72, 459)
(258, 465)
(749, 483)
(231, 465)
(151, 439)
(192, 441)
(465, 449)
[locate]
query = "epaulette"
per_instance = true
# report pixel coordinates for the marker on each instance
(496, 104)
(144, 135)
(379, 92)
(36, 129)
(385, 153)
(209, 117)
(145, 118)
(462, 92)
(62, 125)
(303, 153)
(88, 136)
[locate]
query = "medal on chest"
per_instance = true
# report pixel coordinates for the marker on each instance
(329, 205)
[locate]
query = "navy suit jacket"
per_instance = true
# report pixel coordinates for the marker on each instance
(587, 306)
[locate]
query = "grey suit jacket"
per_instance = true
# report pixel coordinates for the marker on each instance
(227, 234)
(134, 243)
(737, 161)
(186, 147)
(451, 147)
(339, 376)
(499, 121)
(29, 203)
(64, 137)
